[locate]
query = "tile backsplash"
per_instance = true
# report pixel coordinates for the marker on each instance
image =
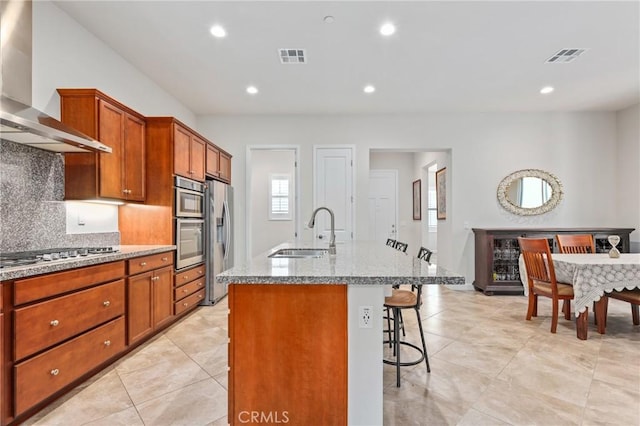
(33, 214)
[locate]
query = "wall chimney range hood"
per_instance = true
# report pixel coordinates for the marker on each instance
(19, 122)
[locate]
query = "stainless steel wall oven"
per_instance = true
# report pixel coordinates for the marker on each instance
(189, 222)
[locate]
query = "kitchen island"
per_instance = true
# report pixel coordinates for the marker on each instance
(298, 353)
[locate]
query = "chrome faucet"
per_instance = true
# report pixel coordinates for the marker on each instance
(332, 240)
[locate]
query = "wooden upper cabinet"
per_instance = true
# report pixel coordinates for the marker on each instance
(218, 163)
(225, 167)
(213, 160)
(119, 175)
(181, 152)
(189, 154)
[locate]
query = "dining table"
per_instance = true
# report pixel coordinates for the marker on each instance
(592, 276)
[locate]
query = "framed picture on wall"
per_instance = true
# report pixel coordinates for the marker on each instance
(417, 207)
(441, 193)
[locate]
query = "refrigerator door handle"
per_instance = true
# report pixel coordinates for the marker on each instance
(227, 226)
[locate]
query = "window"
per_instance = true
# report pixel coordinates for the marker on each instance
(432, 206)
(280, 203)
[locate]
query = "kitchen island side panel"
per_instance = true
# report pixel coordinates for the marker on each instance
(288, 353)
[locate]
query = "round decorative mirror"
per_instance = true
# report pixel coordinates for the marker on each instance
(529, 192)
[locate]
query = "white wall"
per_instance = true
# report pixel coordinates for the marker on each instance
(577, 147)
(268, 233)
(65, 54)
(628, 171)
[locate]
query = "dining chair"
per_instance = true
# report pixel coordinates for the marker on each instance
(631, 296)
(575, 243)
(541, 277)
(398, 301)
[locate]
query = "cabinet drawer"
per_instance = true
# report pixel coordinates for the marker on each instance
(190, 274)
(47, 373)
(188, 289)
(188, 302)
(147, 263)
(47, 323)
(31, 289)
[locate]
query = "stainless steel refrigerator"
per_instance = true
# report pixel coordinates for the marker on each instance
(219, 237)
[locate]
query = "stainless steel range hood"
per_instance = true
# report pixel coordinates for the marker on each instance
(19, 122)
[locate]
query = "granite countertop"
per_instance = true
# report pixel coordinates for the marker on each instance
(124, 252)
(356, 263)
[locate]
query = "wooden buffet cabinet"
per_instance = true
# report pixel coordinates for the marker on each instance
(497, 253)
(59, 329)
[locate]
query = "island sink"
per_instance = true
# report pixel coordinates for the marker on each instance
(298, 253)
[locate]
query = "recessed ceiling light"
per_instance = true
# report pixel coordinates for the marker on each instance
(387, 29)
(369, 89)
(218, 31)
(546, 90)
(252, 90)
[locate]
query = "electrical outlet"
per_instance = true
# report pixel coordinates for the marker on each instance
(81, 220)
(365, 319)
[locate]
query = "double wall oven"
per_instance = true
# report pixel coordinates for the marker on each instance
(189, 222)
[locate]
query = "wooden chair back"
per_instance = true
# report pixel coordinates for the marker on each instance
(538, 262)
(401, 246)
(577, 243)
(425, 254)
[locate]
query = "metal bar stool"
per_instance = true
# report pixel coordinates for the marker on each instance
(399, 300)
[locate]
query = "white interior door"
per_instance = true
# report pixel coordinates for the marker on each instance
(383, 207)
(333, 188)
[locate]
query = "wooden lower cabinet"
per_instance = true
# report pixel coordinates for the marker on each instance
(47, 373)
(59, 328)
(47, 323)
(149, 302)
(189, 288)
(292, 366)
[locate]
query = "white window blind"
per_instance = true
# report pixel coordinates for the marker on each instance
(280, 197)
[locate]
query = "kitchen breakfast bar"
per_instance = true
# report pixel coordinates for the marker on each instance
(299, 352)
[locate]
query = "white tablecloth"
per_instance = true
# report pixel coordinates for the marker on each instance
(594, 274)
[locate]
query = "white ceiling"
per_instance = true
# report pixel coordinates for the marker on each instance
(446, 56)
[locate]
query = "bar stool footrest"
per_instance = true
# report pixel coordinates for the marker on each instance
(407, 363)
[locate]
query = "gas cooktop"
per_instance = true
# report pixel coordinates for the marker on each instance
(21, 258)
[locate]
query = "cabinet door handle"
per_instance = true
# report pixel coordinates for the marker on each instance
(106, 303)
(199, 283)
(185, 277)
(199, 272)
(185, 291)
(107, 342)
(55, 372)
(54, 323)
(164, 259)
(199, 296)
(143, 263)
(185, 304)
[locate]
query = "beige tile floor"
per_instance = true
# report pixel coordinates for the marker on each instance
(488, 367)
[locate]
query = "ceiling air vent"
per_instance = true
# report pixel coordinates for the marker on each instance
(565, 55)
(293, 56)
